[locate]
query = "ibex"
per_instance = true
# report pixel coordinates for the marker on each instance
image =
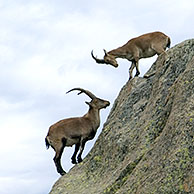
(78, 130)
(144, 46)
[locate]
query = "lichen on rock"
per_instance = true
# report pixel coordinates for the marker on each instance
(147, 143)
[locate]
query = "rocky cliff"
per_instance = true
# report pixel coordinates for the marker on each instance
(147, 143)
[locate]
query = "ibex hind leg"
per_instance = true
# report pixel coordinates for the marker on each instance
(158, 49)
(57, 159)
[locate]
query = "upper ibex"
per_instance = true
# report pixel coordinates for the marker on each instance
(144, 46)
(77, 130)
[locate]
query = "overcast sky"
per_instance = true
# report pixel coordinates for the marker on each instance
(45, 50)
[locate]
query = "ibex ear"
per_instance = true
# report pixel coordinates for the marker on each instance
(88, 103)
(105, 52)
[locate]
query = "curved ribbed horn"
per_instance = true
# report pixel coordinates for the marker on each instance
(92, 96)
(96, 59)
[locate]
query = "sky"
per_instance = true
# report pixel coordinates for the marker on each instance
(45, 48)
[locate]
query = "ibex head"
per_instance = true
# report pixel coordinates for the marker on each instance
(108, 59)
(95, 102)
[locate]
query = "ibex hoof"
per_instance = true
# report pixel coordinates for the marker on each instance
(136, 75)
(62, 173)
(73, 161)
(79, 160)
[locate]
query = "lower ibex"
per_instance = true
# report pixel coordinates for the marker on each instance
(78, 130)
(144, 46)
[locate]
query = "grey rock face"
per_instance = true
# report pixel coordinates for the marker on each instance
(147, 142)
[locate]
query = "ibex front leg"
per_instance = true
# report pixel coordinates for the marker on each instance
(131, 69)
(137, 68)
(82, 145)
(73, 158)
(135, 64)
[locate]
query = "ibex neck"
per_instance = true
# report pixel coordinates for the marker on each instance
(94, 116)
(118, 53)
